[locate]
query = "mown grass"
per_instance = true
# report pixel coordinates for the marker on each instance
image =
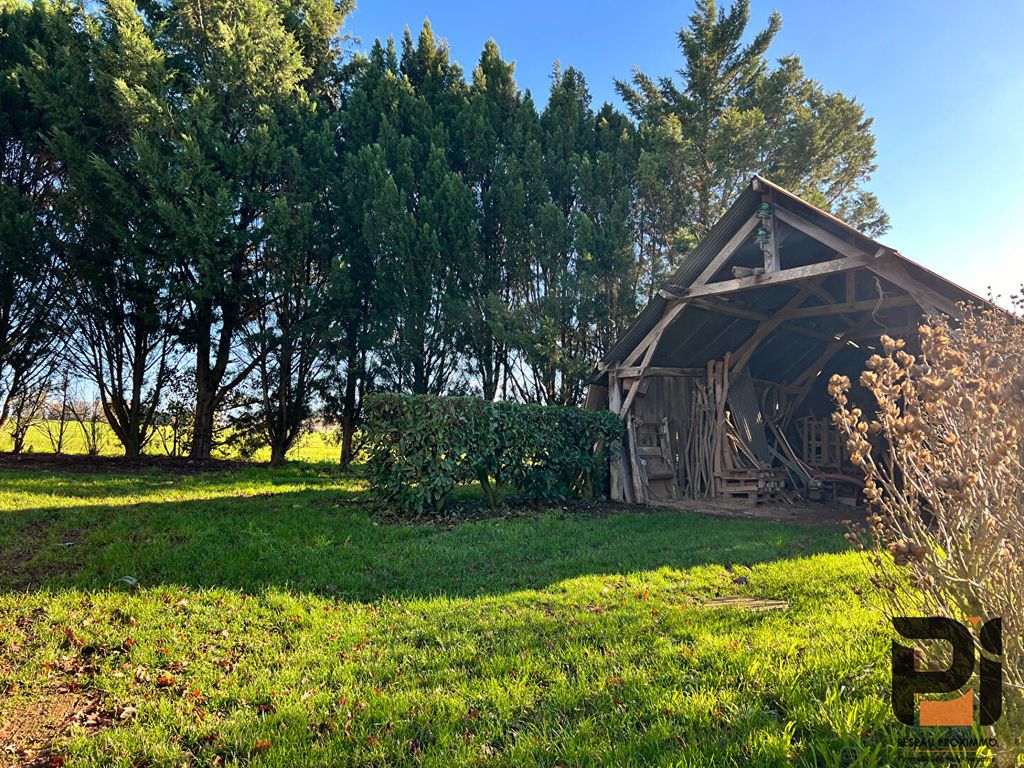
(269, 619)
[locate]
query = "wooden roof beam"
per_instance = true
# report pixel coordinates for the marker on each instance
(735, 243)
(782, 277)
(628, 373)
(734, 309)
(931, 301)
(865, 305)
(805, 381)
(928, 299)
(649, 344)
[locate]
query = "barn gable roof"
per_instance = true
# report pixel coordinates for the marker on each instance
(705, 309)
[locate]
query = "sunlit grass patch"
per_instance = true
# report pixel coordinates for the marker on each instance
(267, 618)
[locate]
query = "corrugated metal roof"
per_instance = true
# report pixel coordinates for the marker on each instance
(695, 262)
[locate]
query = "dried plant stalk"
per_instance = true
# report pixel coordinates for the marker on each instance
(943, 457)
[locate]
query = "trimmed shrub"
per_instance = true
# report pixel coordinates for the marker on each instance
(421, 447)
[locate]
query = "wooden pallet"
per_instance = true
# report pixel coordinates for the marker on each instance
(756, 486)
(822, 446)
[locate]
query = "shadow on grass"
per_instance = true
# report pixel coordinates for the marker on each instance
(134, 483)
(323, 540)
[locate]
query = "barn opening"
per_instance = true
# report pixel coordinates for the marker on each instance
(722, 379)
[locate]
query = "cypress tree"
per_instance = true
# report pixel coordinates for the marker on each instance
(122, 323)
(33, 299)
(240, 69)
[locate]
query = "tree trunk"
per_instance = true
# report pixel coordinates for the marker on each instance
(489, 377)
(206, 394)
(132, 445)
(348, 420)
(277, 453)
(202, 430)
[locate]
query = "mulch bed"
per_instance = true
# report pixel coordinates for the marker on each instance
(117, 464)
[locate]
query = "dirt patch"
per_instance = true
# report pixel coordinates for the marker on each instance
(800, 512)
(34, 719)
(29, 729)
(117, 464)
(16, 562)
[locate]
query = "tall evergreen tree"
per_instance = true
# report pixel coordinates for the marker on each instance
(581, 286)
(239, 70)
(412, 227)
(607, 196)
(733, 115)
(431, 241)
(296, 326)
(371, 91)
(122, 316)
(501, 140)
(33, 298)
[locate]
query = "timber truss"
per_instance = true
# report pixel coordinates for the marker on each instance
(771, 223)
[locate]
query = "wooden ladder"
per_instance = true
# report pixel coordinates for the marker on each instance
(651, 460)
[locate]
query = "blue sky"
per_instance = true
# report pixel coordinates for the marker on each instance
(943, 80)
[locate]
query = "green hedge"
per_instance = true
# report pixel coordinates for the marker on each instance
(421, 447)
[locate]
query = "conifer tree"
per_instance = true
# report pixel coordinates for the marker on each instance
(581, 287)
(33, 298)
(373, 88)
(501, 138)
(297, 324)
(240, 69)
(733, 115)
(122, 318)
(412, 226)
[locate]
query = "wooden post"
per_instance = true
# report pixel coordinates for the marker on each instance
(617, 470)
(771, 248)
(666, 456)
(639, 484)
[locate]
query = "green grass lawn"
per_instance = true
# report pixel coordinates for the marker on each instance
(266, 618)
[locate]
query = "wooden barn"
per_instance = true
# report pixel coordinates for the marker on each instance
(722, 379)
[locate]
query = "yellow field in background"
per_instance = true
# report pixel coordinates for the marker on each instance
(313, 446)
